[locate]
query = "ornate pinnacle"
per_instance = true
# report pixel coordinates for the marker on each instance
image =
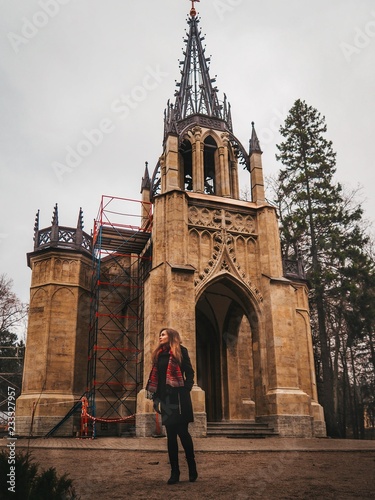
(80, 219)
(146, 182)
(36, 224)
(254, 141)
(55, 216)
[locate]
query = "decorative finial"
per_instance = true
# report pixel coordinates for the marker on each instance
(36, 225)
(80, 219)
(55, 216)
(193, 12)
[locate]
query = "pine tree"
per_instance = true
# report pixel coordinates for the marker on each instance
(317, 221)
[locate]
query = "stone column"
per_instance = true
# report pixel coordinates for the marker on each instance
(56, 347)
(288, 405)
(197, 158)
(234, 180)
(224, 167)
(257, 181)
(172, 174)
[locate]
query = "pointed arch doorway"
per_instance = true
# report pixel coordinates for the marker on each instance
(228, 363)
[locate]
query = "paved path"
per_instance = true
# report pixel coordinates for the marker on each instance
(211, 444)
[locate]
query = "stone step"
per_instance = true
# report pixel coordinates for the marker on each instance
(239, 429)
(237, 425)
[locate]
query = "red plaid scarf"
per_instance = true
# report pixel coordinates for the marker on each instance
(174, 375)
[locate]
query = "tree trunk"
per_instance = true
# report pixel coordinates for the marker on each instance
(372, 348)
(344, 396)
(327, 386)
(356, 416)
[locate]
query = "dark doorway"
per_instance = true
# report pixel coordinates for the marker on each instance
(209, 366)
(225, 364)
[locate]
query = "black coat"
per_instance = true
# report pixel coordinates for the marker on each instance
(175, 402)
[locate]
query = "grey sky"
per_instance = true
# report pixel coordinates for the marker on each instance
(71, 67)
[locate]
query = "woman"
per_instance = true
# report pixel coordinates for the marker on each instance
(170, 382)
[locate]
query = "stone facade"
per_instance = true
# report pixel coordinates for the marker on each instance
(217, 277)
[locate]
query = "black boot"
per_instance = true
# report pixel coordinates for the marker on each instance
(193, 474)
(175, 474)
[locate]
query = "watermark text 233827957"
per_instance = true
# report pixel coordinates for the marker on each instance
(11, 411)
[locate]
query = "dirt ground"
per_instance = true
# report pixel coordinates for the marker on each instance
(111, 475)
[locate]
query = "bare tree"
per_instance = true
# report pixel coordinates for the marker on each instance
(13, 314)
(12, 310)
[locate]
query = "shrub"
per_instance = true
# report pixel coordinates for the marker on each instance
(32, 484)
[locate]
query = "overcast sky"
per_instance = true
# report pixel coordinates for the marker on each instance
(71, 67)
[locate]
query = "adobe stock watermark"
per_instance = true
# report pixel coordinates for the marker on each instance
(11, 445)
(121, 107)
(31, 26)
(223, 7)
(267, 134)
(362, 39)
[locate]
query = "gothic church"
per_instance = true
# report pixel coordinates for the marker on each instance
(199, 260)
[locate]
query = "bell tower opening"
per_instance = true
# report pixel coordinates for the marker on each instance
(187, 165)
(210, 161)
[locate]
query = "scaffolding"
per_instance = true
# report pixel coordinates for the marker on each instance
(121, 262)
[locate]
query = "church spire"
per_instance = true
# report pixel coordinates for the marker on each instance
(195, 93)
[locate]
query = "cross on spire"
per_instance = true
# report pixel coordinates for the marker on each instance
(193, 12)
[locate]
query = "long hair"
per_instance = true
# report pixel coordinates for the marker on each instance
(174, 341)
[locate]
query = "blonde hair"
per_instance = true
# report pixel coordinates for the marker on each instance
(174, 340)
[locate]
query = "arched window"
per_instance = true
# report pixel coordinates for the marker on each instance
(210, 149)
(187, 167)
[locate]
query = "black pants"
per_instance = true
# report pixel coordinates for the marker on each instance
(180, 430)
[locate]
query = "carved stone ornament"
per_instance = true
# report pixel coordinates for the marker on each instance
(221, 218)
(223, 261)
